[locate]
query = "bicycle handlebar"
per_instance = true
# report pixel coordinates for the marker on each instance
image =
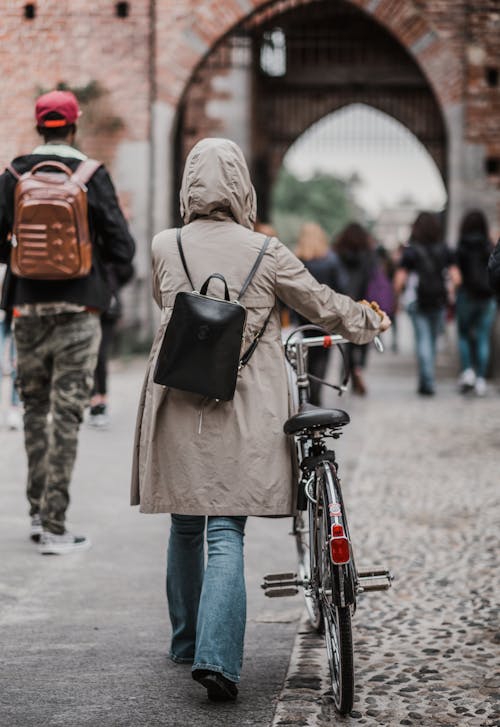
(298, 350)
(329, 340)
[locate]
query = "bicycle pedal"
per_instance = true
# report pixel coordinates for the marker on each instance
(281, 592)
(272, 577)
(374, 579)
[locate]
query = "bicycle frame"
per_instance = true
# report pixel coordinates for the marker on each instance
(300, 349)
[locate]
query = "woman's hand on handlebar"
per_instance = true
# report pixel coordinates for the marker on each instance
(385, 321)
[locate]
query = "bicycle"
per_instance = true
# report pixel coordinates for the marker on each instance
(326, 567)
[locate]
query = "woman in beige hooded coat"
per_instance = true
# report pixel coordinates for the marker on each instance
(220, 461)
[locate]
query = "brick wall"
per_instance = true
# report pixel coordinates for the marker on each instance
(75, 42)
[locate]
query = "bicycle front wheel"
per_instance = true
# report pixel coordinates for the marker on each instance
(337, 618)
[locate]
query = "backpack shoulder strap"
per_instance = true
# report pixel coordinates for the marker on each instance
(14, 172)
(86, 170)
(425, 258)
(183, 259)
(251, 349)
(254, 268)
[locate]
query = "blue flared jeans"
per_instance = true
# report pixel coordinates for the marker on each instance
(475, 319)
(207, 605)
(427, 326)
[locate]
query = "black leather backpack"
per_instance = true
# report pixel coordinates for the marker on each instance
(200, 351)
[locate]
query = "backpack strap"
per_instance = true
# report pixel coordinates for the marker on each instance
(86, 170)
(183, 259)
(13, 171)
(251, 349)
(254, 268)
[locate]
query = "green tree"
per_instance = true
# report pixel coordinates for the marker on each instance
(323, 198)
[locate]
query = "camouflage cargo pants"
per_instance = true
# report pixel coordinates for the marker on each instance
(57, 357)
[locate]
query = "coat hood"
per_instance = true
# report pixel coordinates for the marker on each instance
(216, 184)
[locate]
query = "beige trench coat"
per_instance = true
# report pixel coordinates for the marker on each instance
(199, 457)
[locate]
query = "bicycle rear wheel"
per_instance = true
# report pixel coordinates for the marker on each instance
(337, 618)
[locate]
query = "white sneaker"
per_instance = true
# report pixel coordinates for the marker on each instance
(52, 544)
(466, 381)
(14, 419)
(99, 421)
(36, 528)
(98, 416)
(480, 387)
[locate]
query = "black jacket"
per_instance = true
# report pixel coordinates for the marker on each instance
(473, 252)
(112, 243)
(494, 269)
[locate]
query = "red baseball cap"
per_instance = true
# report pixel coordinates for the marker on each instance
(63, 103)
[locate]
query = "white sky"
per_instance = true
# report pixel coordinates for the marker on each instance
(390, 160)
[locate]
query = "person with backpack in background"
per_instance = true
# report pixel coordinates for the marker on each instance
(356, 253)
(60, 221)
(428, 273)
(494, 270)
(208, 459)
(323, 264)
(476, 305)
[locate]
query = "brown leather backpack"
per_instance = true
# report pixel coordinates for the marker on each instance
(51, 237)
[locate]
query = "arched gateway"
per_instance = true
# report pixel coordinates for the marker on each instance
(212, 79)
(277, 74)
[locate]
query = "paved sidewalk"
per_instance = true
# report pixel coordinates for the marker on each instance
(84, 638)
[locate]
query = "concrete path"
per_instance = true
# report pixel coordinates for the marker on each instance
(84, 638)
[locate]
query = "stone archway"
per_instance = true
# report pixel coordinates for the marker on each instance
(332, 55)
(182, 51)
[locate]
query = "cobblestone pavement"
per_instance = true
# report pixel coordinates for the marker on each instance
(421, 483)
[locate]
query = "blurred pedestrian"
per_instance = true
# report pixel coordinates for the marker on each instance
(428, 274)
(56, 295)
(380, 287)
(355, 249)
(395, 260)
(476, 305)
(323, 264)
(8, 366)
(116, 277)
(494, 270)
(212, 463)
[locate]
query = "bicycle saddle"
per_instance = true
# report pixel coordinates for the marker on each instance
(311, 416)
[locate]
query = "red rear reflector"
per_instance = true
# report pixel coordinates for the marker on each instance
(339, 546)
(327, 341)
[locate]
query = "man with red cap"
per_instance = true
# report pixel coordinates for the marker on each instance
(57, 328)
